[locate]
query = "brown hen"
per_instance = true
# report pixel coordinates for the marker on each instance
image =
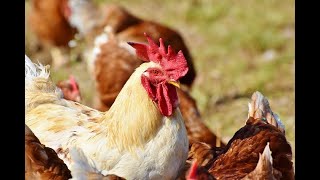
(239, 158)
(47, 20)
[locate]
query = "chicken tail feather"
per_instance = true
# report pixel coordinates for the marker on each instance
(264, 166)
(39, 89)
(259, 108)
(34, 70)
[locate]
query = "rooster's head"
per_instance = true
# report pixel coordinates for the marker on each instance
(160, 81)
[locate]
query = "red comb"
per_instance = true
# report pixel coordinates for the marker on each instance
(73, 82)
(174, 64)
(192, 175)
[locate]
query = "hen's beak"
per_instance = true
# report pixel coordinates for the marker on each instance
(78, 99)
(175, 83)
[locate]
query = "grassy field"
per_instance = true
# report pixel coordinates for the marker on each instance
(238, 47)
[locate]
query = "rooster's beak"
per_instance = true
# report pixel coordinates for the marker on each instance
(175, 83)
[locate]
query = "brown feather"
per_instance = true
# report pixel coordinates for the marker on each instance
(242, 152)
(239, 158)
(47, 22)
(196, 128)
(42, 162)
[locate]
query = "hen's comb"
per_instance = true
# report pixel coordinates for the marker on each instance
(73, 82)
(174, 64)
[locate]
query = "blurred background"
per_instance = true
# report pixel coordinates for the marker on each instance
(238, 47)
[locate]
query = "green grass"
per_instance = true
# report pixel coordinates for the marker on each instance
(230, 42)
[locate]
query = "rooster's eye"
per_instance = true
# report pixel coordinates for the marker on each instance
(155, 72)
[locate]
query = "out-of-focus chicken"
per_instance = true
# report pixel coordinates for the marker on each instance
(125, 140)
(47, 20)
(70, 89)
(112, 68)
(90, 20)
(239, 158)
(42, 162)
(196, 128)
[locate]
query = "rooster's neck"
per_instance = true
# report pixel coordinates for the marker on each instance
(134, 118)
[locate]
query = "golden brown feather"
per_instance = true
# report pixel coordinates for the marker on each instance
(197, 129)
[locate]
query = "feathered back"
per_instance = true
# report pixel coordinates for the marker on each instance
(264, 169)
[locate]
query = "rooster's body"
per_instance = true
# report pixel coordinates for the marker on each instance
(124, 141)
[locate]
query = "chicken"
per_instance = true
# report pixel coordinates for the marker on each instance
(196, 128)
(47, 21)
(241, 157)
(264, 169)
(125, 140)
(42, 162)
(114, 65)
(203, 153)
(90, 20)
(70, 89)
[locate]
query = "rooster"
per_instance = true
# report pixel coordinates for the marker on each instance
(70, 89)
(113, 67)
(241, 158)
(42, 162)
(142, 135)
